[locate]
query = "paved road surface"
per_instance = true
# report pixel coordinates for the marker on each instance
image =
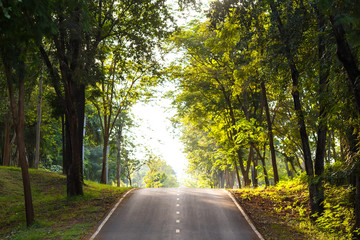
(179, 214)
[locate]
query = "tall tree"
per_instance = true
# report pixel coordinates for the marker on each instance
(79, 29)
(18, 33)
(123, 84)
(339, 15)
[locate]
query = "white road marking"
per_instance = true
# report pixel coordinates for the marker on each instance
(177, 230)
(245, 216)
(177, 205)
(177, 199)
(177, 212)
(177, 221)
(109, 215)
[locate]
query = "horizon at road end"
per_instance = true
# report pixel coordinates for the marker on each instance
(155, 131)
(153, 118)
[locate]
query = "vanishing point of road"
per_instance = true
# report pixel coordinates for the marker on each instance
(179, 214)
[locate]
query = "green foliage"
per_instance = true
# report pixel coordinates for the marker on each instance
(160, 174)
(288, 200)
(338, 216)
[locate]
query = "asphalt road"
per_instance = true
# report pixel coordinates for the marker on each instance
(179, 214)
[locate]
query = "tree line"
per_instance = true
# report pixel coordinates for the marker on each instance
(269, 90)
(65, 64)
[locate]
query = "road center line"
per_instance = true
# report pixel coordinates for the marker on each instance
(177, 230)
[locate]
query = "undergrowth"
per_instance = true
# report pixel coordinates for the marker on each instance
(287, 205)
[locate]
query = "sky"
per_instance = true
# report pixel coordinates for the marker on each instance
(155, 130)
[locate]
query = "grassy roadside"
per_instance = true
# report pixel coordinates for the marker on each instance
(282, 212)
(57, 217)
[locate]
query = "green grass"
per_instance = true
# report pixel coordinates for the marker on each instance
(56, 215)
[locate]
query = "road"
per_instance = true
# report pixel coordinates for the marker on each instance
(179, 214)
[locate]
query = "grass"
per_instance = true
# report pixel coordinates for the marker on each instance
(56, 215)
(282, 212)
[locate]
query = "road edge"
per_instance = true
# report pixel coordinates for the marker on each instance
(109, 215)
(247, 218)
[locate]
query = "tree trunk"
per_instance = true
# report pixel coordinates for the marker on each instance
(322, 127)
(38, 125)
(80, 109)
(118, 160)
(245, 172)
(74, 176)
(262, 159)
(331, 133)
(74, 180)
(104, 163)
(66, 43)
(22, 155)
(270, 133)
(298, 108)
(349, 62)
(19, 122)
(218, 179)
(342, 144)
(289, 172)
(328, 160)
(347, 59)
(14, 158)
(237, 173)
(222, 178)
(7, 143)
(67, 150)
(253, 166)
(293, 169)
(229, 177)
(129, 177)
(232, 179)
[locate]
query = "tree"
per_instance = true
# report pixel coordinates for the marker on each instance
(79, 29)
(38, 125)
(160, 174)
(18, 34)
(341, 17)
(123, 84)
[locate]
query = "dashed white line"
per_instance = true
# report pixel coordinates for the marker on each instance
(177, 212)
(177, 199)
(177, 230)
(177, 205)
(177, 221)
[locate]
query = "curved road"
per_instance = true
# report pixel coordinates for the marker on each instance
(179, 214)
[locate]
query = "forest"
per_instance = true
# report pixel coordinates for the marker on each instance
(266, 92)
(269, 91)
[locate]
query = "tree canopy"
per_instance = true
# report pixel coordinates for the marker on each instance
(265, 91)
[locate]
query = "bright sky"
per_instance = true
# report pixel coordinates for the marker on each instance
(155, 130)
